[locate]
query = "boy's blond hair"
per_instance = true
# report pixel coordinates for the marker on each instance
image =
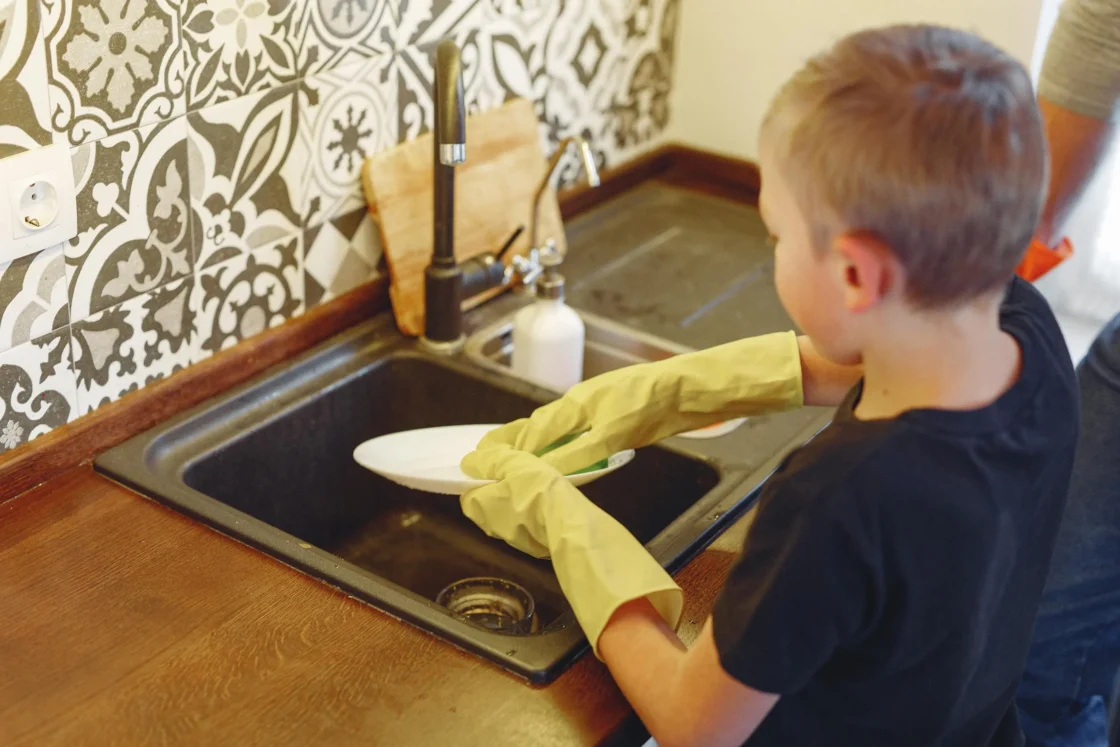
(928, 138)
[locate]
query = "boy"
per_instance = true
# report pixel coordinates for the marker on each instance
(887, 588)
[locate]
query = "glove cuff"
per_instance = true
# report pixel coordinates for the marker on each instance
(667, 599)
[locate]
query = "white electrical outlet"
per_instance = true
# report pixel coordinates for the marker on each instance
(36, 205)
(37, 201)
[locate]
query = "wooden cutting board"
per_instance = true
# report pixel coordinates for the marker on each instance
(494, 193)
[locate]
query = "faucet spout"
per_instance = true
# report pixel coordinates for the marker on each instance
(586, 157)
(443, 279)
(450, 113)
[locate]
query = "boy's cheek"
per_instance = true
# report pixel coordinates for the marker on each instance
(831, 335)
(818, 311)
(787, 282)
(802, 293)
(839, 352)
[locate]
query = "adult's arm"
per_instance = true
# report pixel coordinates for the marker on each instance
(1079, 94)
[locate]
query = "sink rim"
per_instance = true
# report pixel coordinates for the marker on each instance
(149, 466)
(477, 342)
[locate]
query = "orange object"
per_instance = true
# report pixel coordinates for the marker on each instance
(1041, 259)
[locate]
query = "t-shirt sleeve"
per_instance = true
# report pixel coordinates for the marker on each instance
(1026, 310)
(804, 585)
(1081, 70)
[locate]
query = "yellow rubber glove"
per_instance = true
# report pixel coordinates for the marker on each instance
(640, 405)
(599, 564)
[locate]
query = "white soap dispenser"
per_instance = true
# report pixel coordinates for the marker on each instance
(548, 334)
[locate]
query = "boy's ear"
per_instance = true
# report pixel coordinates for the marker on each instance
(869, 270)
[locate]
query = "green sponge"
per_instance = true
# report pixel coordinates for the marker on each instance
(601, 464)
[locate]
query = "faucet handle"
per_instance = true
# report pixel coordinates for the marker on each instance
(527, 268)
(550, 256)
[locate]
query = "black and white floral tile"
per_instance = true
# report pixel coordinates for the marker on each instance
(37, 391)
(25, 119)
(247, 294)
(601, 69)
(245, 183)
(33, 297)
(133, 218)
(217, 147)
(332, 34)
(346, 115)
(113, 65)
(237, 47)
(128, 346)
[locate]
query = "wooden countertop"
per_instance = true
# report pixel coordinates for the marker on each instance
(123, 622)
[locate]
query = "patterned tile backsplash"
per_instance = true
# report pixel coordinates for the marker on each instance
(217, 146)
(247, 294)
(25, 119)
(133, 220)
(112, 65)
(37, 388)
(33, 297)
(245, 179)
(349, 112)
(125, 347)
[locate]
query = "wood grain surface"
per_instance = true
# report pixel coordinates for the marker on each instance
(713, 174)
(124, 623)
(494, 193)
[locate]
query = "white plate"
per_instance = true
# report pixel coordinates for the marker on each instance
(428, 459)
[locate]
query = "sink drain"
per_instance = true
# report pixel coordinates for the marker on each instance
(493, 603)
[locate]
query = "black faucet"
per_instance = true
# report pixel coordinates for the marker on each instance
(447, 282)
(443, 279)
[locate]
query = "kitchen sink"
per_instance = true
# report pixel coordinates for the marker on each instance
(270, 464)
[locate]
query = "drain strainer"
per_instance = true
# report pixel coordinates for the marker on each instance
(493, 603)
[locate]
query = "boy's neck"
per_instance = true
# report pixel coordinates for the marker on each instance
(952, 360)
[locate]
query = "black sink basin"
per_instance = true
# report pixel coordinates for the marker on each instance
(271, 464)
(296, 473)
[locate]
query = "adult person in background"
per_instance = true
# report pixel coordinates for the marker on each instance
(1075, 656)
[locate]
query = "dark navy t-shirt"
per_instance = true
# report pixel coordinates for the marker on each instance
(888, 586)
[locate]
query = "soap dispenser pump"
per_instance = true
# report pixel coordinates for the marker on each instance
(548, 334)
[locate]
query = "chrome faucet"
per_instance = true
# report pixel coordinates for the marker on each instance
(447, 282)
(589, 168)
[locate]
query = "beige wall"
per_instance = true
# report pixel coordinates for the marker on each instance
(733, 54)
